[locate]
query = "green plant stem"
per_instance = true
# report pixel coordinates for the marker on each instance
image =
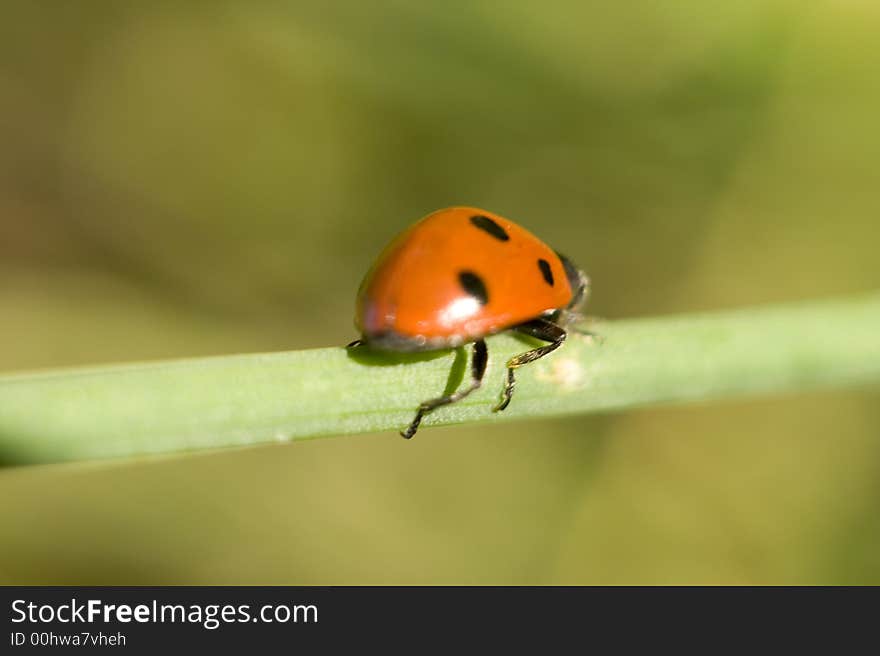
(184, 405)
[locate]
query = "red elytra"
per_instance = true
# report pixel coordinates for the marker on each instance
(459, 275)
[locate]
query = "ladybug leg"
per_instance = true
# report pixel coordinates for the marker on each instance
(574, 323)
(355, 343)
(478, 368)
(540, 329)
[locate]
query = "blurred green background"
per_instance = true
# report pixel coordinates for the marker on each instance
(187, 178)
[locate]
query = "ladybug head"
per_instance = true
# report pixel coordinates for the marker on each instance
(578, 281)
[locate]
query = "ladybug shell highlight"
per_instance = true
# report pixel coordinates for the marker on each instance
(457, 275)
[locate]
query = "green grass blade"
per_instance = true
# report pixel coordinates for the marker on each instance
(166, 407)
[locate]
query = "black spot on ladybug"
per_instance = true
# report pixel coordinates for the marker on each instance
(474, 286)
(544, 266)
(487, 224)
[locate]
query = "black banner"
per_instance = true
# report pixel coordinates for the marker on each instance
(239, 618)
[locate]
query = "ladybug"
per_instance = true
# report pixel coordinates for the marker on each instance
(459, 275)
